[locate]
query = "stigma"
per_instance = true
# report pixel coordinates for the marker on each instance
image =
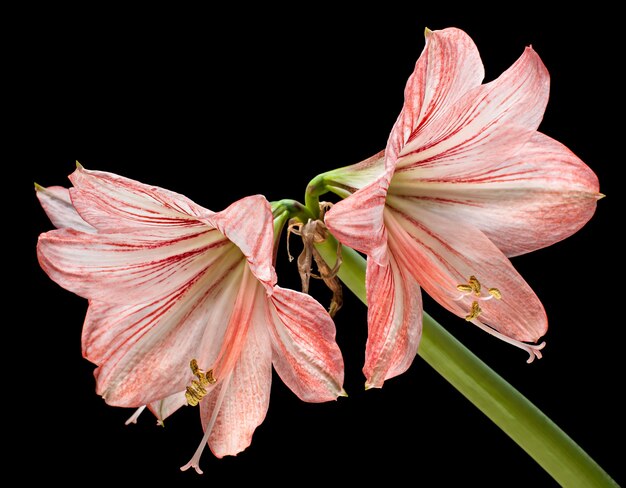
(473, 288)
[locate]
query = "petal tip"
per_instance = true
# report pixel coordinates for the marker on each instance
(371, 386)
(427, 32)
(79, 166)
(343, 393)
(38, 187)
(599, 196)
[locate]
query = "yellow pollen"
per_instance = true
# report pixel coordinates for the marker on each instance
(474, 312)
(197, 390)
(464, 288)
(194, 393)
(495, 293)
(210, 378)
(475, 285)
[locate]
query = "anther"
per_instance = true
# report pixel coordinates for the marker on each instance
(495, 293)
(197, 390)
(464, 288)
(475, 311)
(474, 285)
(210, 378)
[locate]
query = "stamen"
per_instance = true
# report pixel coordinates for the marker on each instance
(495, 293)
(533, 350)
(474, 285)
(464, 288)
(197, 390)
(210, 378)
(195, 460)
(475, 311)
(133, 418)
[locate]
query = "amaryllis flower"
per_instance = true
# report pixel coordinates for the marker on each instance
(465, 181)
(184, 306)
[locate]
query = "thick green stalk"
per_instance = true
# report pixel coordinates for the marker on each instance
(528, 426)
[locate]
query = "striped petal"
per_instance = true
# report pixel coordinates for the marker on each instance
(486, 126)
(132, 268)
(448, 67)
(249, 224)
(143, 350)
(250, 296)
(306, 356)
(538, 197)
(394, 319)
(55, 201)
(286, 326)
(112, 203)
(358, 221)
(233, 415)
(347, 180)
(442, 254)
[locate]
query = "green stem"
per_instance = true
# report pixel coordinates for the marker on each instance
(528, 426)
(288, 208)
(314, 189)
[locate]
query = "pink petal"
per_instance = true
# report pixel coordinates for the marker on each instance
(167, 406)
(486, 126)
(442, 253)
(347, 180)
(144, 350)
(448, 67)
(132, 268)
(250, 297)
(306, 356)
(56, 202)
(113, 203)
(357, 221)
(249, 224)
(538, 197)
(394, 320)
(246, 400)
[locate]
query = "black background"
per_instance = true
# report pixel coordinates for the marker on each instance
(219, 105)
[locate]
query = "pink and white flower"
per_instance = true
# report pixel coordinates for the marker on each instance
(465, 181)
(169, 282)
